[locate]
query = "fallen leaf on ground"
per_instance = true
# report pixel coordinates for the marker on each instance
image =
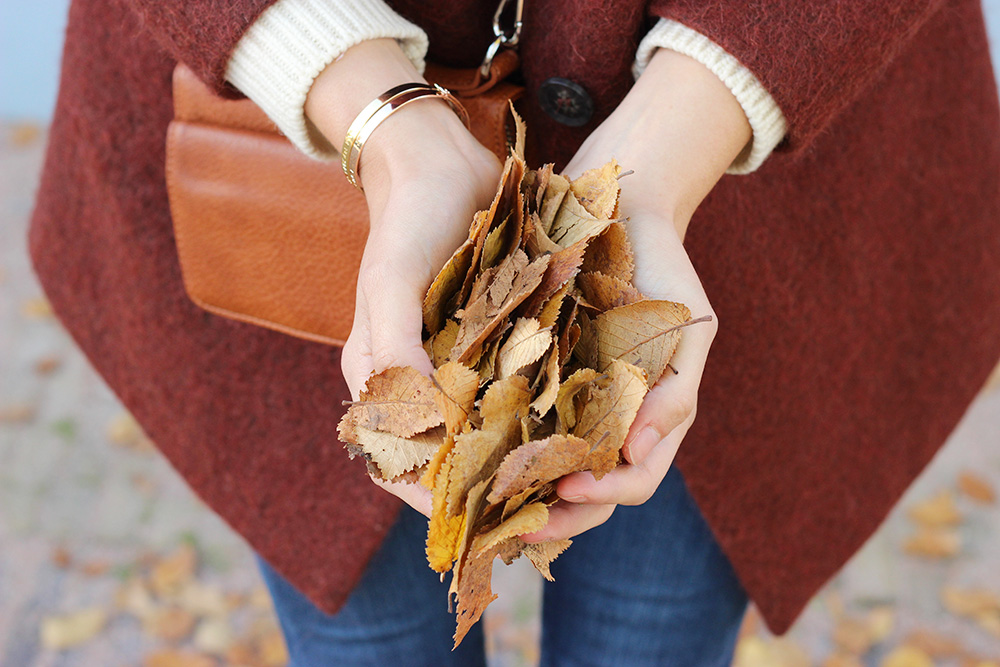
(939, 510)
(976, 487)
(907, 656)
(69, 630)
(934, 543)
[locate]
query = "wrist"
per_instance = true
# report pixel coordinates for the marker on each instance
(345, 86)
(679, 128)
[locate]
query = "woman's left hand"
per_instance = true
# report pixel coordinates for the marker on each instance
(678, 130)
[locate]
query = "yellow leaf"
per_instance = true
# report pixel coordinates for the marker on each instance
(395, 455)
(907, 656)
(644, 334)
(399, 400)
(525, 345)
(69, 630)
(939, 510)
(597, 189)
(528, 519)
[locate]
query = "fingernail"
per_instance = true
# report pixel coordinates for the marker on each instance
(639, 447)
(574, 499)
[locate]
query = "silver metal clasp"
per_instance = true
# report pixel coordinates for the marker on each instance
(503, 38)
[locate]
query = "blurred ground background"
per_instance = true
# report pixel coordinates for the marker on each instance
(106, 558)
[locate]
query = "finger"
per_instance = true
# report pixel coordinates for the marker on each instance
(674, 397)
(567, 520)
(629, 484)
(356, 357)
(415, 495)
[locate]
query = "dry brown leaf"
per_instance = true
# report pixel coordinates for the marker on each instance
(607, 292)
(457, 386)
(438, 347)
(569, 399)
(271, 649)
(498, 243)
(939, 510)
(178, 658)
(605, 419)
(61, 557)
(17, 414)
(538, 462)
(169, 623)
(933, 543)
(478, 453)
(528, 519)
(475, 592)
(69, 630)
(499, 293)
(47, 365)
(989, 621)
(538, 242)
(969, 602)
(907, 656)
(550, 371)
(95, 568)
(213, 635)
(134, 597)
(881, 620)
(525, 345)
(446, 285)
(395, 455)
(201, 599)
(170, 574)
(552, 199)
(610, 253)
(473, 505)
(399, 400)
(37, 309)
(445, 530)
(549, 314)
(853, 635)
(125, 431)
(597, 189)
(542, 554)
(574, 223)
(644, 334)
(976, 487)
(934, 644)
(564, 264)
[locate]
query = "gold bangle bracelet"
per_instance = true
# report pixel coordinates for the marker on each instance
(365, 115)
(388, 103)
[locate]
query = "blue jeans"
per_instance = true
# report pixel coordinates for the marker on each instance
(649, 587)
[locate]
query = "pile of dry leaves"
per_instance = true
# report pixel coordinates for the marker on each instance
(543, 352)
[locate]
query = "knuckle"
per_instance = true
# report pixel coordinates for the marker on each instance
(383, 359)
(675, 410)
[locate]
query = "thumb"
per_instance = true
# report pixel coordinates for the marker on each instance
(395, 320)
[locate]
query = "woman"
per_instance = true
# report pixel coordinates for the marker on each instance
(838, 271)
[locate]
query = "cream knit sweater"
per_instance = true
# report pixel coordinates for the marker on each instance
(282, 53)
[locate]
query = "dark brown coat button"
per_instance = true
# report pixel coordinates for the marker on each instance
(565, 101)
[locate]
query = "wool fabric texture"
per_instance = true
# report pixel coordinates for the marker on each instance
(856, 274)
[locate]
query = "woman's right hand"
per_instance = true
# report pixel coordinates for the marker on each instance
(424, 176)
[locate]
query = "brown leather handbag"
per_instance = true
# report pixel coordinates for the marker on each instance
(269, 236)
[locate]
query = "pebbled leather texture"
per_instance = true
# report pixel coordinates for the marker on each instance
(269, 236)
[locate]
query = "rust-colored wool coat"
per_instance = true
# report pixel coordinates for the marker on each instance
(856, 274)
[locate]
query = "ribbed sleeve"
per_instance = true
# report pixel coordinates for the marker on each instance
(766, 120)
(282, 53)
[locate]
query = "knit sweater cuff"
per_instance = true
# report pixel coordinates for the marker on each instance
(766, 120)
(286, 48)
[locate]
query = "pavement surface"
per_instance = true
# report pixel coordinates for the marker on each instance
(106, 557)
